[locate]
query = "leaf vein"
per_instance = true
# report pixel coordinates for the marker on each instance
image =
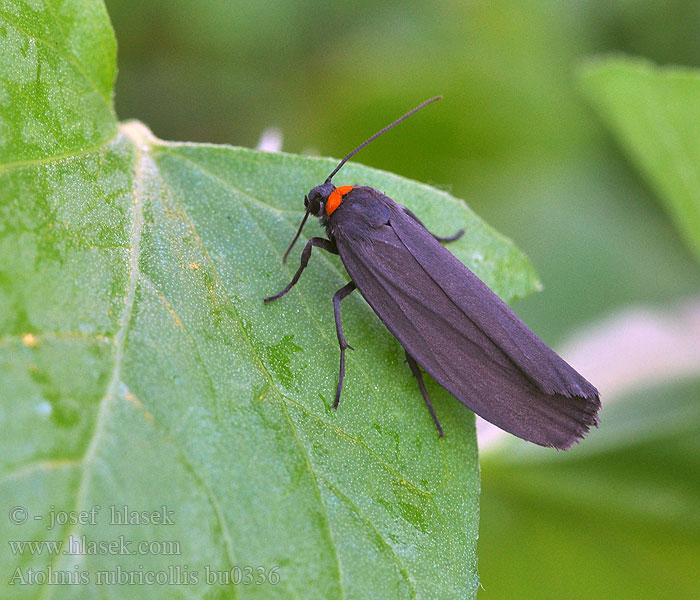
(91, 453)
(4, 168)
(370, 525)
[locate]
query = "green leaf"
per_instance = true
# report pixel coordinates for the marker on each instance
(140, 368)
(655, 114)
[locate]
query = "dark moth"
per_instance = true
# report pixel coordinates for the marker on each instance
(447, 320)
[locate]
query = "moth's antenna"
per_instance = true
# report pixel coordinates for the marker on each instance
(376, 135)
(296, 237)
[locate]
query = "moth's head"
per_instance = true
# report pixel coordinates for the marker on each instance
(316, 199)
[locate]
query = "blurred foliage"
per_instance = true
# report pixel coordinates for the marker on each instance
(615, 517)
(656, 115)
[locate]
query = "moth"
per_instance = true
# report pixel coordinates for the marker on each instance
(448, 321)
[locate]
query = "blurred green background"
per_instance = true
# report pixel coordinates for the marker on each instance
(516, 138)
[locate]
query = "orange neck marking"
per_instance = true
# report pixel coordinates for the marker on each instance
(336, 197)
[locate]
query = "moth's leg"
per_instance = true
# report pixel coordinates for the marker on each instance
(449, 238)
(415, 369)
(337, 297)
(439, 238)
(305, 255)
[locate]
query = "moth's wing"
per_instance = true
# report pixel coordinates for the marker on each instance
(459, 330)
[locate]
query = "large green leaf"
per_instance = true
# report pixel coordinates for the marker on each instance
(139, 367)
(655, 113)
